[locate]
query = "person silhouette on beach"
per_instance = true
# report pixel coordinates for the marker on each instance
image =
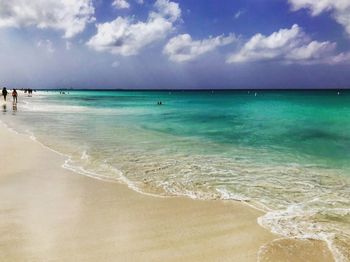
(4, 93)
(14, 96)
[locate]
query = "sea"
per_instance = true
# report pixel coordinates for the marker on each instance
(284, 152)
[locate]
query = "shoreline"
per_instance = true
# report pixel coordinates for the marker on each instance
(196, 230)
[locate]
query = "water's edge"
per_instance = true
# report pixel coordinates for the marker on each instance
(122, 180)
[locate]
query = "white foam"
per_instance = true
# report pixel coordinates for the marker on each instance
(227, 195)
(47, 108)
(118, 178)
(295, 222)
(84, 156)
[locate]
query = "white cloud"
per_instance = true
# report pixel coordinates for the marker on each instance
(286, 45)
(46, 45)
(121, 4)
(124, 36)
(70, 16)
(182, 48)
(167, 9)
(342, 58)
(340, 9)
(239, 13)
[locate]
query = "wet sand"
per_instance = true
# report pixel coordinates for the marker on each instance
(48, 213)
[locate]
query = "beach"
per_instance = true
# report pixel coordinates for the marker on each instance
(167, 130)
(110, 176)
(52, 214)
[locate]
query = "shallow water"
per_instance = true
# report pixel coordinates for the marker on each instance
(285, 152)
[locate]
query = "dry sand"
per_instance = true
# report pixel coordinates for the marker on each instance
(48, 213)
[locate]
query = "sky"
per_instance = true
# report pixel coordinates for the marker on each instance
(175, 44)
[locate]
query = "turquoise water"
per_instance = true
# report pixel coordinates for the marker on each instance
(285, 152)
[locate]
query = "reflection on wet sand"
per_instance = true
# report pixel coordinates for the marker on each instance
(14, 107)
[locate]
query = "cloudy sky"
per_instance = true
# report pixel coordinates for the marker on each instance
(175, 43)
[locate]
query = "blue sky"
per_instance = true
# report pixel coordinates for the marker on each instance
(175, 44)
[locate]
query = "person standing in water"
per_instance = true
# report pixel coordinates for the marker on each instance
(4, 93)
(14, 96)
